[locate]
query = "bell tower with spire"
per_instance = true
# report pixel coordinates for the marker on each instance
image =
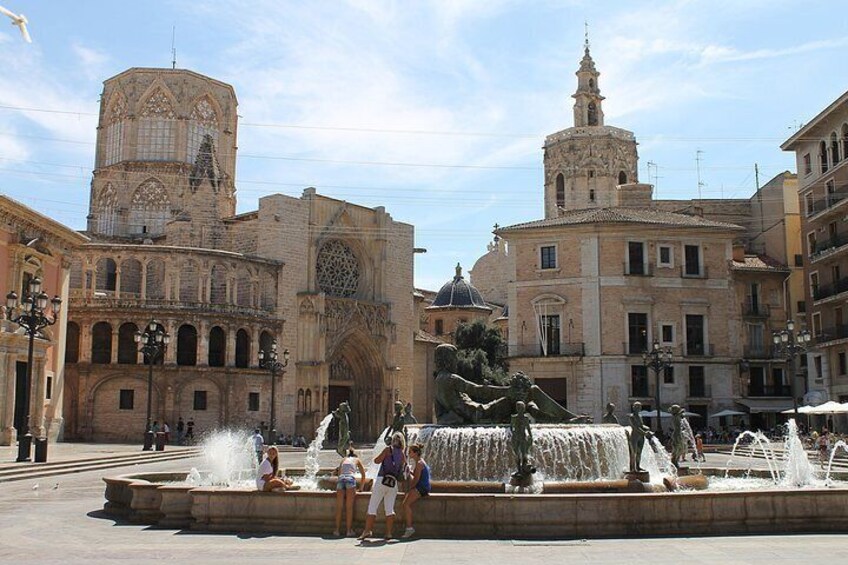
(587, 100)
(586, 164)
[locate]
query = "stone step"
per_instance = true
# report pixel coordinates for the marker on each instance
(37, 470)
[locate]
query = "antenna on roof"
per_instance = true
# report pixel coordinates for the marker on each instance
(698, 154)
(174, 47)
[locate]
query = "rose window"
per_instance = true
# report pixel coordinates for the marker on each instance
(337, 270)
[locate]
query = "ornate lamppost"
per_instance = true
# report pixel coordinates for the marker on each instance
(789, 345)
(154, 341)
(268, 360)
(32, 319)
(658, 359)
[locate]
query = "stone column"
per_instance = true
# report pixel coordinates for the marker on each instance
(116, 327)
(171, 352)
(144, 280)
(203, 343)
(117, 280)
(231, 346)
(85, 342)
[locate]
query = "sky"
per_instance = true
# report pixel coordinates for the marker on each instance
(435, 109)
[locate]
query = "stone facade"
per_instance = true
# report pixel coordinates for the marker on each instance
(821, 149)
(328, 280)
(33, 245)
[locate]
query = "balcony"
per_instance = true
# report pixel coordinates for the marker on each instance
(828, 246)
(638, 269)
(832, 333)
(829, 202)
(634, 347)
(699, 390)
(769, 390)
(535, 350)
(758, 352)
(823, 291)
(755, 309)
(699, 350)
(690, 272)
(128, 301)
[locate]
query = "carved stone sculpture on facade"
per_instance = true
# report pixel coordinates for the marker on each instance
(342, 416)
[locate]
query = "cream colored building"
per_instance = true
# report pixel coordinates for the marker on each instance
(32, 245)
(329, 280)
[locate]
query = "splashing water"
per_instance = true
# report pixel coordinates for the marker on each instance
(689, 435)
(312, 464)
(228, 460)
(758, 439)
(657, 461)
(836, 447)
(797, 470)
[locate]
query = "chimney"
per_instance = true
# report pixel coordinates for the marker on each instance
(738, 252)
(634, 195)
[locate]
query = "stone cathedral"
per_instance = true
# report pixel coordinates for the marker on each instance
(329, 280)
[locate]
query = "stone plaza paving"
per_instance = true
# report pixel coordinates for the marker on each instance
(61, 521)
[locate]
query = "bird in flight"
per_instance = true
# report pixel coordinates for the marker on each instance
(18, 20)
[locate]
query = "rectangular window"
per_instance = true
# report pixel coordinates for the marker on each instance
(811, 242)
(591, 195)
(817, 325)
(809, 204)
(200, 400)
(692, 260)
(695, 342)
(668, 375)
(817, 362)
(253, 402)
(808, 164)
(756, 336)
(48, 389)
(802, 306)
(842, 364)
(638, 381)
(637, 333)
(665, 258)
(667, 334)
(814, 285)
(697, 383)
(440, 327)
(126, 399)
(799, 260)
(550, 332)
(636, 258)
(548, 256)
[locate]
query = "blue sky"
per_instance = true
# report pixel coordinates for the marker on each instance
(467, 89)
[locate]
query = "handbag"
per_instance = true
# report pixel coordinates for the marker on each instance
(389, 481)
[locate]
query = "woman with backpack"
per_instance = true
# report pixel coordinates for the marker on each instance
(392, 461)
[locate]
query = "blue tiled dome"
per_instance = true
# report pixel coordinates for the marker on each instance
(458, 293)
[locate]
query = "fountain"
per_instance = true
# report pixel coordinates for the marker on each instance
(836, 447)
(228, 460)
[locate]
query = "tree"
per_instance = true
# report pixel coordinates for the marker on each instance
(480, 358)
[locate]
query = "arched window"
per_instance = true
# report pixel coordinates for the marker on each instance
(337, 269)
(823, 156)
(307, 401)
(834, 148)
(300, 405)
(72, 343)
(217, 347)
(592, 114)
(127, 351)
(106, 210)
(114, 131)
(76, 273)
(189, 282)
(265, 341)
(150, 208)
(219, 285)
(243, 289)
(845, 141)
(203, 121)
(157, 129)
(560, 190)
(242, 349)
(592, 84)
(155, 283)
(622, 177)
(187, 345)
(101, 343)
(107, 275)
(159, 359)
(269, 292)
(131, 277)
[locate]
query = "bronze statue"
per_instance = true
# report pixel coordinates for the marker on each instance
(341, 414)
(636, 438)
(408, 416)
(397, 423)
(678, 442)
(609, 416)
(522, 442)
(460, 402)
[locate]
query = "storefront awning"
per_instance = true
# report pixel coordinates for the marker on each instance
(758, 405)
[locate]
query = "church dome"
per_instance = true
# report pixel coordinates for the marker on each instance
(458, 293)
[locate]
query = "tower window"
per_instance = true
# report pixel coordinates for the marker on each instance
(560, 190)
(591, 174)
(592, 114)
(622, 177)
(591, 195)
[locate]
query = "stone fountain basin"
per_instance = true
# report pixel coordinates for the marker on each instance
(475, 512)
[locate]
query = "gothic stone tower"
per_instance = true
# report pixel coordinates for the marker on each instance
(166, 151)
(585, 163)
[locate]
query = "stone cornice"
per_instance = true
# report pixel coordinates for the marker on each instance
(21, 217)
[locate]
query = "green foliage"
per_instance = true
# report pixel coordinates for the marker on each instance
(481, 353)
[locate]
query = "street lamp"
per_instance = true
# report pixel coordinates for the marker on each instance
(32, 319)
(789, 345)
(153, 343)
(268, 360)
(658, 359)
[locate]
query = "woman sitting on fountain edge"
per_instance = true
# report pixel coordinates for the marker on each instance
(267, 479)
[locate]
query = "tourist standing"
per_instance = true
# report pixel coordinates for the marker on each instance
(346, 490)
(167, 431)
(180, 431)
(699, 448)
(258, 444)
(266, 479)
(190, 431)
(419, 485)
(392, 462)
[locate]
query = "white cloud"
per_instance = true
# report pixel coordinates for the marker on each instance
(93, 62)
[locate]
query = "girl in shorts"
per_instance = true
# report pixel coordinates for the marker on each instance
(419, 485)
(346, 489)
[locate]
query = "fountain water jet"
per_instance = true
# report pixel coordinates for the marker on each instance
(229, 460)
(836, 447)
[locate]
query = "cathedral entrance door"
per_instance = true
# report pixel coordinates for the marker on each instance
(337, 395)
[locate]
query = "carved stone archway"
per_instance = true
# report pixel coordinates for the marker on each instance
(357, 365)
